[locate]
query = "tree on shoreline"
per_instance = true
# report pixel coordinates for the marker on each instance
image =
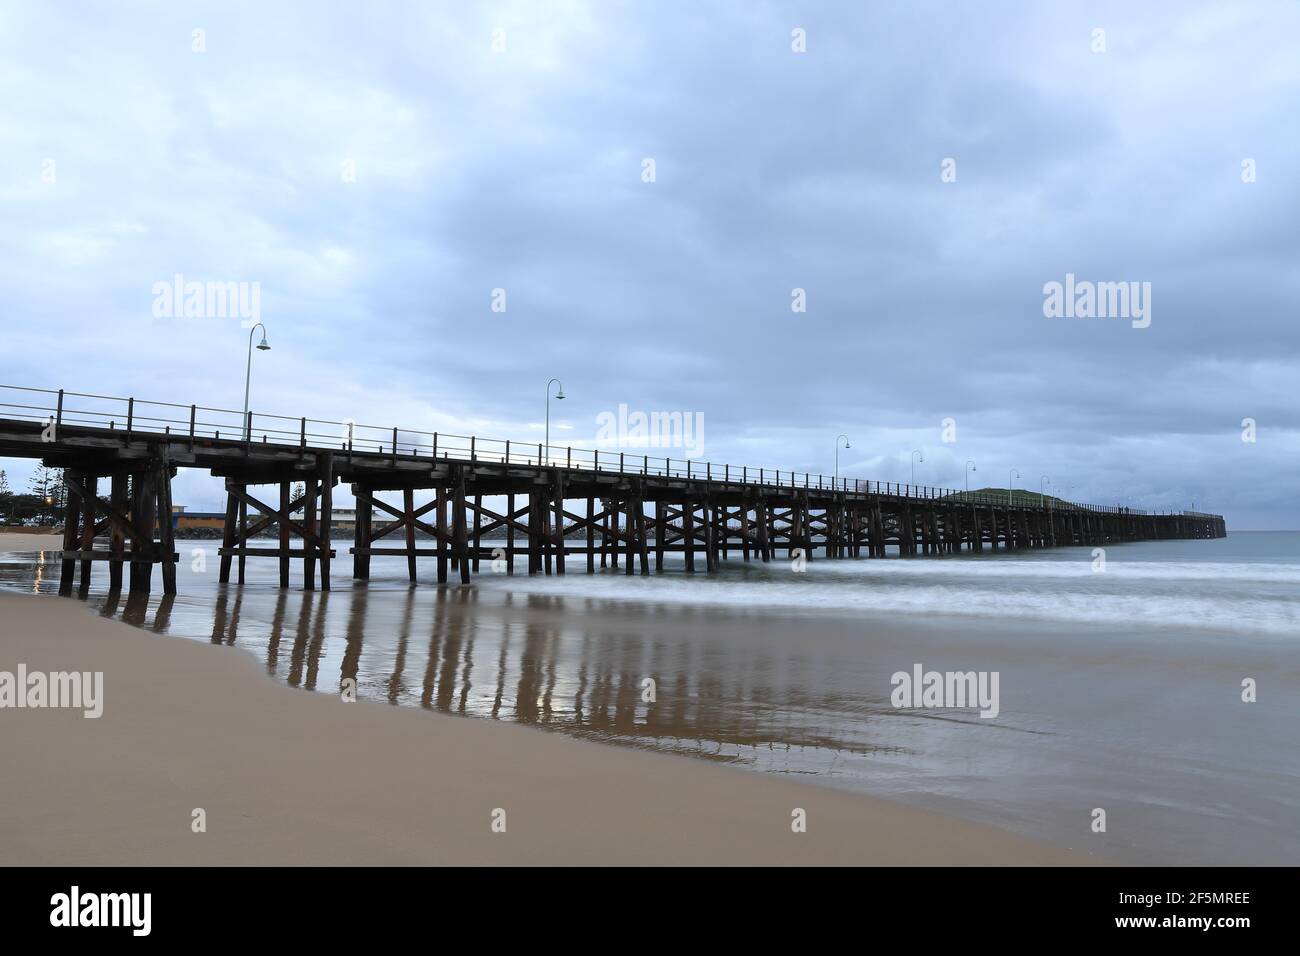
(46, 486)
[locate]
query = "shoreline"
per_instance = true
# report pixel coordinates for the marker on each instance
(289, 778)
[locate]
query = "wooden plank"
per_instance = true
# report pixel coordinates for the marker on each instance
(396, 552)
(105, 554)
(291, 552)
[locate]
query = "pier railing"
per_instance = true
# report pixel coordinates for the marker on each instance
(147, 417)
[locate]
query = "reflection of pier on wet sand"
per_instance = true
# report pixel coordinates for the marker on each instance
(306, 779)
(541, 660)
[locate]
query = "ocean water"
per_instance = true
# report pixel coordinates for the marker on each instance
(1245, 582)
(1120, 684)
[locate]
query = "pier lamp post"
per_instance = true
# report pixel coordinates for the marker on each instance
(1009, 474)
(1044, 480)
(837, 453)
(262, 346)
(970, 466)
(559, 397)
(916, 456)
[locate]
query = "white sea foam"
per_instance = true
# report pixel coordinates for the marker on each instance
(1255, 597)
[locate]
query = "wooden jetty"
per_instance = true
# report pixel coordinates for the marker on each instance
(608, 510)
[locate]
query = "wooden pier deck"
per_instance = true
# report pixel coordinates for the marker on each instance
(607, 509)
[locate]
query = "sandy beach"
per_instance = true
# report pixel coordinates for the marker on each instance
(287, 777)
(11, 541)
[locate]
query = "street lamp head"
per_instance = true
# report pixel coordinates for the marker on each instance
(560, 395)
(846, 443)
(264, 345)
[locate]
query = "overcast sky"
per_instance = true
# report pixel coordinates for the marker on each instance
(381, 168)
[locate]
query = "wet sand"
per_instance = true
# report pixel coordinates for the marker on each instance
(293, 778)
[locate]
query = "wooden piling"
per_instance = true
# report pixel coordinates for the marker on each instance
(710, 537)
(363, 533)
(326, 464)
(71, 537)
(661, 533)
(408, 512)
(86, 504)
(311, 484)
(282, 534)
(227, 534)
(166, 532)
(558, 539)
(459, 531)
(144, 521)
(510, 535)
(478, 529)
(441, 527)
(641, 533)
(688, 532)
(243, 533)
(117, 539)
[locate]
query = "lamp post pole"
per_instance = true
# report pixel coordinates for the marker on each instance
(916, 456)
(262, 346)
(837, 454)
(970, 466)
(559, 397)
(1009, 474)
